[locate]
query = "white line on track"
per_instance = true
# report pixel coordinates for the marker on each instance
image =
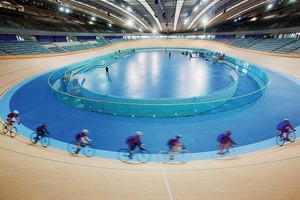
(167, 183)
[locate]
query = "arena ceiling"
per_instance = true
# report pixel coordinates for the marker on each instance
(172, 16)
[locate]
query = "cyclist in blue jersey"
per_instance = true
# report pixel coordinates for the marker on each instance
(82, 139)
(285, 127)
(41, 131)
(225, 140)
(174, 144)
(11, 117)
(133, 141)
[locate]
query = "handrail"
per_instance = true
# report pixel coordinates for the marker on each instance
(175, 107)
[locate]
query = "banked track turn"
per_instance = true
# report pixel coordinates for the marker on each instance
(33, 172)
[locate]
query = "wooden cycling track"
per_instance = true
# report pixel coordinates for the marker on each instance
(33, 172)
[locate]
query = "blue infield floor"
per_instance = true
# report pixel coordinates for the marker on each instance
(253, 126)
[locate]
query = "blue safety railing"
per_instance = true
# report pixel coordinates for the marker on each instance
(71, 92)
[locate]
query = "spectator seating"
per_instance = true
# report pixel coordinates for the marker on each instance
(293, 47)
(272, 44)
(241, 42)
(276, 45)
(23, 47)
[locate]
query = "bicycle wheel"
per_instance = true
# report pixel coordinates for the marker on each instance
(33, 137)
(143, 156)
(88, 150)
(292, 136)
(13, 132)
(234, 151)
(280, 140)
(215, 153)
(123, 155)
(183, 156)
(72, 147)
(163, 156)
(5, 128)
(45, 141)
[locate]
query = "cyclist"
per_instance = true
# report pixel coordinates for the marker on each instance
(174, 144)
(41, 131)
(82, 139)
(11, 117)
(225, 140)
(285, 127)
(133, 141)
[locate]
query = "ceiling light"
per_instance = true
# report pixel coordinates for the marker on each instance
(130, 23)
(269, 16)
(206, 8)
(205, 21)
(249, 8)
(269, 6)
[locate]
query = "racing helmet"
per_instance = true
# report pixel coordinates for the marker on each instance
(179, 136)
(16, 112)
(85, 131)
(139, 133)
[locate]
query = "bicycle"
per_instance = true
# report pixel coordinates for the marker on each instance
(180, 154)
(44, 139)
(87, 149)
(142, 155)
(280, 140)
(232, 152)
(13, 130)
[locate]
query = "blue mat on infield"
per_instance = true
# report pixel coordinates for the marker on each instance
(250, 124)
